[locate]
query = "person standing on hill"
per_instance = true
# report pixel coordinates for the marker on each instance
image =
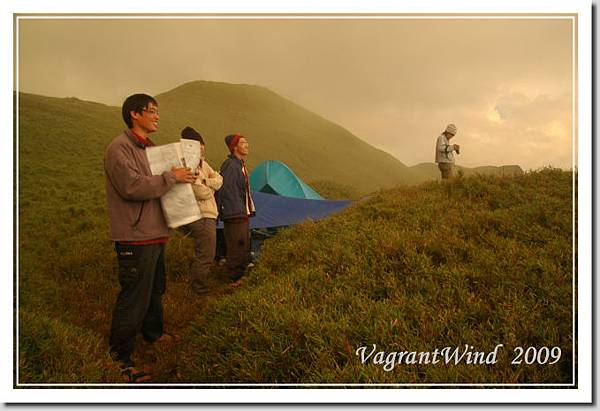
(444, 156)
(139, 230)
(204, 231)
(236, 207)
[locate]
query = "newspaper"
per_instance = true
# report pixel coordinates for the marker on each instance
(190, 153)
(179, 203)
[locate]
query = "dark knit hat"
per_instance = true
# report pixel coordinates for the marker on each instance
(232, 141)
(191, 134)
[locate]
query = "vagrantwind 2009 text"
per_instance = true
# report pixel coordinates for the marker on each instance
(455, 355)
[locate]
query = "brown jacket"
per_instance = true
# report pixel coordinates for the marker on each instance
(133, 193)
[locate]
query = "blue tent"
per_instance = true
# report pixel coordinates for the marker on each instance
(275, 177)
(274, 211)
(281, 199)
(278, 211)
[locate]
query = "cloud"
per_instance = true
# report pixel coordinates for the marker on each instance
(509, 129)
(395, 83)
(531, 131)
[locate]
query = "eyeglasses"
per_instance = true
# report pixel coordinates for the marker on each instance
(152, 111)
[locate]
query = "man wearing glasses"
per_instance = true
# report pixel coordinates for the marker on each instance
(139, 231)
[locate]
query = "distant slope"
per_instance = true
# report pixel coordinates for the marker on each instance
(315, 148)
(61, 144)
(429, 171)
(276, 128)
(318, 151)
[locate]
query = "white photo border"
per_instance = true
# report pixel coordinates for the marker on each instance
(582, 158)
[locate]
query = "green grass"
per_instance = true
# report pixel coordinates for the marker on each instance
(55, 351)
(389, 270)
(481, 261)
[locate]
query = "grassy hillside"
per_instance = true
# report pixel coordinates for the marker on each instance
(388, 271)
(66, 278)
(429, 171)
(276, 128)
(495, 269)
(319, 151)
(480, 261)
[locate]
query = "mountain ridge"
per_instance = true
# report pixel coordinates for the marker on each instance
(274, 125)
(319, 151)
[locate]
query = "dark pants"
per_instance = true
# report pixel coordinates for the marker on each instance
(237, 242)
(204, 233)
(139, 306)
(446, 169)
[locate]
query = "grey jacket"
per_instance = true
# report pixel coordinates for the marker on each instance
(133, 193)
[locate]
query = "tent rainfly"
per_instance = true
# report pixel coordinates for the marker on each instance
(274, 177)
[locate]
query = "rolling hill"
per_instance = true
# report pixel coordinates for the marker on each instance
(276, 128)
(322, 153)
(316, 149)
(385, 271)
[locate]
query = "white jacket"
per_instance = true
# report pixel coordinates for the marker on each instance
(207, 182)
(444, 151)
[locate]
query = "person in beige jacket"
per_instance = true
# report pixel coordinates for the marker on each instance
(204, 231)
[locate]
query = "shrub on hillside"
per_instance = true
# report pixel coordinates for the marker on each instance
(480, 261)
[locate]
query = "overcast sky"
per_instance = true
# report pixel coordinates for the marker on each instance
(395, 83)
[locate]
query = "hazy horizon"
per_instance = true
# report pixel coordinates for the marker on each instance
(394, 83)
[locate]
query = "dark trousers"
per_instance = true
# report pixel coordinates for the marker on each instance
(204, 233)
(139, 306)
(446, 169)
(237, 242)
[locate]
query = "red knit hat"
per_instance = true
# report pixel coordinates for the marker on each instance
(232, 140)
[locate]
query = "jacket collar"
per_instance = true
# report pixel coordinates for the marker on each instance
(235, 158)
(137, 140)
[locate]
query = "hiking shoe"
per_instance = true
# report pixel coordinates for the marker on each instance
(134, 376)
(249, 268)
(168, 338)
(200, 289)
(236, 283)
(235, 277)
(165, 338)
